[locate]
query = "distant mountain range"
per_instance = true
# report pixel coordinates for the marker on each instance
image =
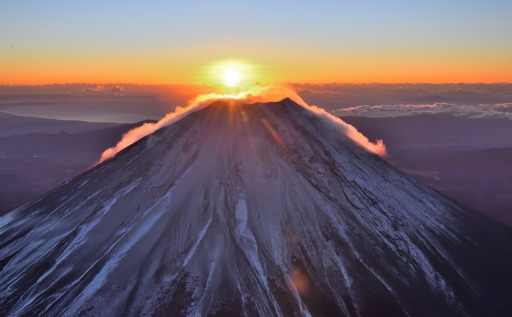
(38, 154)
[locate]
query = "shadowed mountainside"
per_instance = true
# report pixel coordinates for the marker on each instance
(262, 209)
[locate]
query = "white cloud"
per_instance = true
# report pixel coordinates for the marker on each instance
(494, 111)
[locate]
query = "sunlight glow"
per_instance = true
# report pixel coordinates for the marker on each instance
(231, 78)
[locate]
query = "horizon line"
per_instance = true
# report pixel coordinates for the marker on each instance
(287, 83)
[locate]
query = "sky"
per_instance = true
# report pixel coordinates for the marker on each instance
(158, 42)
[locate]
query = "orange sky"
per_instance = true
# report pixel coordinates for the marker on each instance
(399, 41)
(90, 69)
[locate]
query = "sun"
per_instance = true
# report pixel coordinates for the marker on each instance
(231, 77)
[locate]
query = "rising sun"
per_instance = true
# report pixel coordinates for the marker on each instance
(231, 78)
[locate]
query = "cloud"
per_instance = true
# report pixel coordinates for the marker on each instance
(378, 148)
(106, 88)
(483, 111)
(80, 89)
(252, 95)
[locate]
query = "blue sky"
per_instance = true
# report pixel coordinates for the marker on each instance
(421, 34)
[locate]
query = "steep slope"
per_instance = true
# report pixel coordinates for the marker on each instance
(262, 209)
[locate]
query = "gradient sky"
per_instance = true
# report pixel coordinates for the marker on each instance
(286, 41)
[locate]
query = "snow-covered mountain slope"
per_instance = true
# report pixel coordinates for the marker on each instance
(255, 210)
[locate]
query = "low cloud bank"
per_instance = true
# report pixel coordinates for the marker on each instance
(483, 111)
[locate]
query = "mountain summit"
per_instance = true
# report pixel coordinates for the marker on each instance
(262, 209)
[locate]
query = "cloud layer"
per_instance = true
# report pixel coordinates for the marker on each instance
(483, 111)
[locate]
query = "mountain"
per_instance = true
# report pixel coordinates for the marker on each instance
(262, 209)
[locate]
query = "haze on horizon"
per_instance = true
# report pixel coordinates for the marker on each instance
(323, 41)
